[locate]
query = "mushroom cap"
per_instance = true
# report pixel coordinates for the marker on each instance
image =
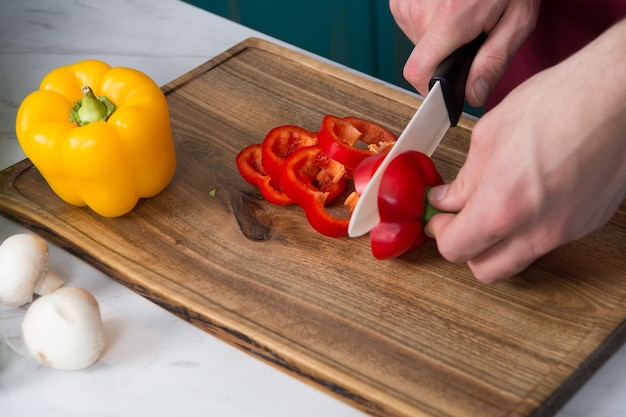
(64, 329)
(23, 260)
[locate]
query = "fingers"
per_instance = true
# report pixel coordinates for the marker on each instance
(492, 257)
(502, 261)
(464, 236)
(413, 17)
(436, 29)
(437, 32)
(429, 51)
(479, 225)
(493, 59)
(453, 197)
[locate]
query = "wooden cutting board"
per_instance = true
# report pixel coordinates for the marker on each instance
(414, 336)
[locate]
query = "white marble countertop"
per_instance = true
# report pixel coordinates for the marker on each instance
(156, 364)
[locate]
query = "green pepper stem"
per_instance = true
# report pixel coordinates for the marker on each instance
(429, 210)
(91, 108)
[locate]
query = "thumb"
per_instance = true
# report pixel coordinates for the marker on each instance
(448, 197)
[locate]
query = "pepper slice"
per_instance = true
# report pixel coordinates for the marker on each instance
(339, 137)
(250, 166)
(313, 180)
(365, 171)
(279, 143)
(362, 176)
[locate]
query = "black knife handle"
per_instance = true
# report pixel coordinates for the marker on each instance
(452, 74)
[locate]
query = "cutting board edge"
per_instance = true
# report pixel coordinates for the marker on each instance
(583, 373)
(336, 71)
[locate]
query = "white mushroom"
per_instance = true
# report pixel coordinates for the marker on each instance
(64, 329)
(23, 270)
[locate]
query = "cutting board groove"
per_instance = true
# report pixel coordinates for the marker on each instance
(414, 336)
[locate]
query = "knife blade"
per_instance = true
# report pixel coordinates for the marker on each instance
(440, 110)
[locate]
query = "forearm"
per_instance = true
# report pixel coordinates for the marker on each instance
(596, 93)
(599, 71)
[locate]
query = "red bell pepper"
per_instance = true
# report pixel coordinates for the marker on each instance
(313, 180)
(339, 137)
(402, 203)
(404, 185)
(391, 239)
(250, 167)
(281, 142)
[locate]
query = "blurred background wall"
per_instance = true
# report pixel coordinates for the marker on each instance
(360, 34)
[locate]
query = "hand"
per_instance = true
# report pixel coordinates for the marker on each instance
(438, 28)
(545, 167)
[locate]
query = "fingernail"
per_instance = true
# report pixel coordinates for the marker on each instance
(480, 91)
(437, 193)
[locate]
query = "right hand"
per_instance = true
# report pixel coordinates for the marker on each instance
(438, 28)
(545, 167)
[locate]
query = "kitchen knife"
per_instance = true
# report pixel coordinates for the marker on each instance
(440, 110)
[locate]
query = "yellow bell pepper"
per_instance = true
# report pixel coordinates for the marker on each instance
(100, 136)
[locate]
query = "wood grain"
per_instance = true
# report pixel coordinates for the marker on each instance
(414, 336)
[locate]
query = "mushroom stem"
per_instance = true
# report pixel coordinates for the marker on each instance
(48, 283)
(24, 269)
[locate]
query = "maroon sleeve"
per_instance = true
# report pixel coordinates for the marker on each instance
(563, 27)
